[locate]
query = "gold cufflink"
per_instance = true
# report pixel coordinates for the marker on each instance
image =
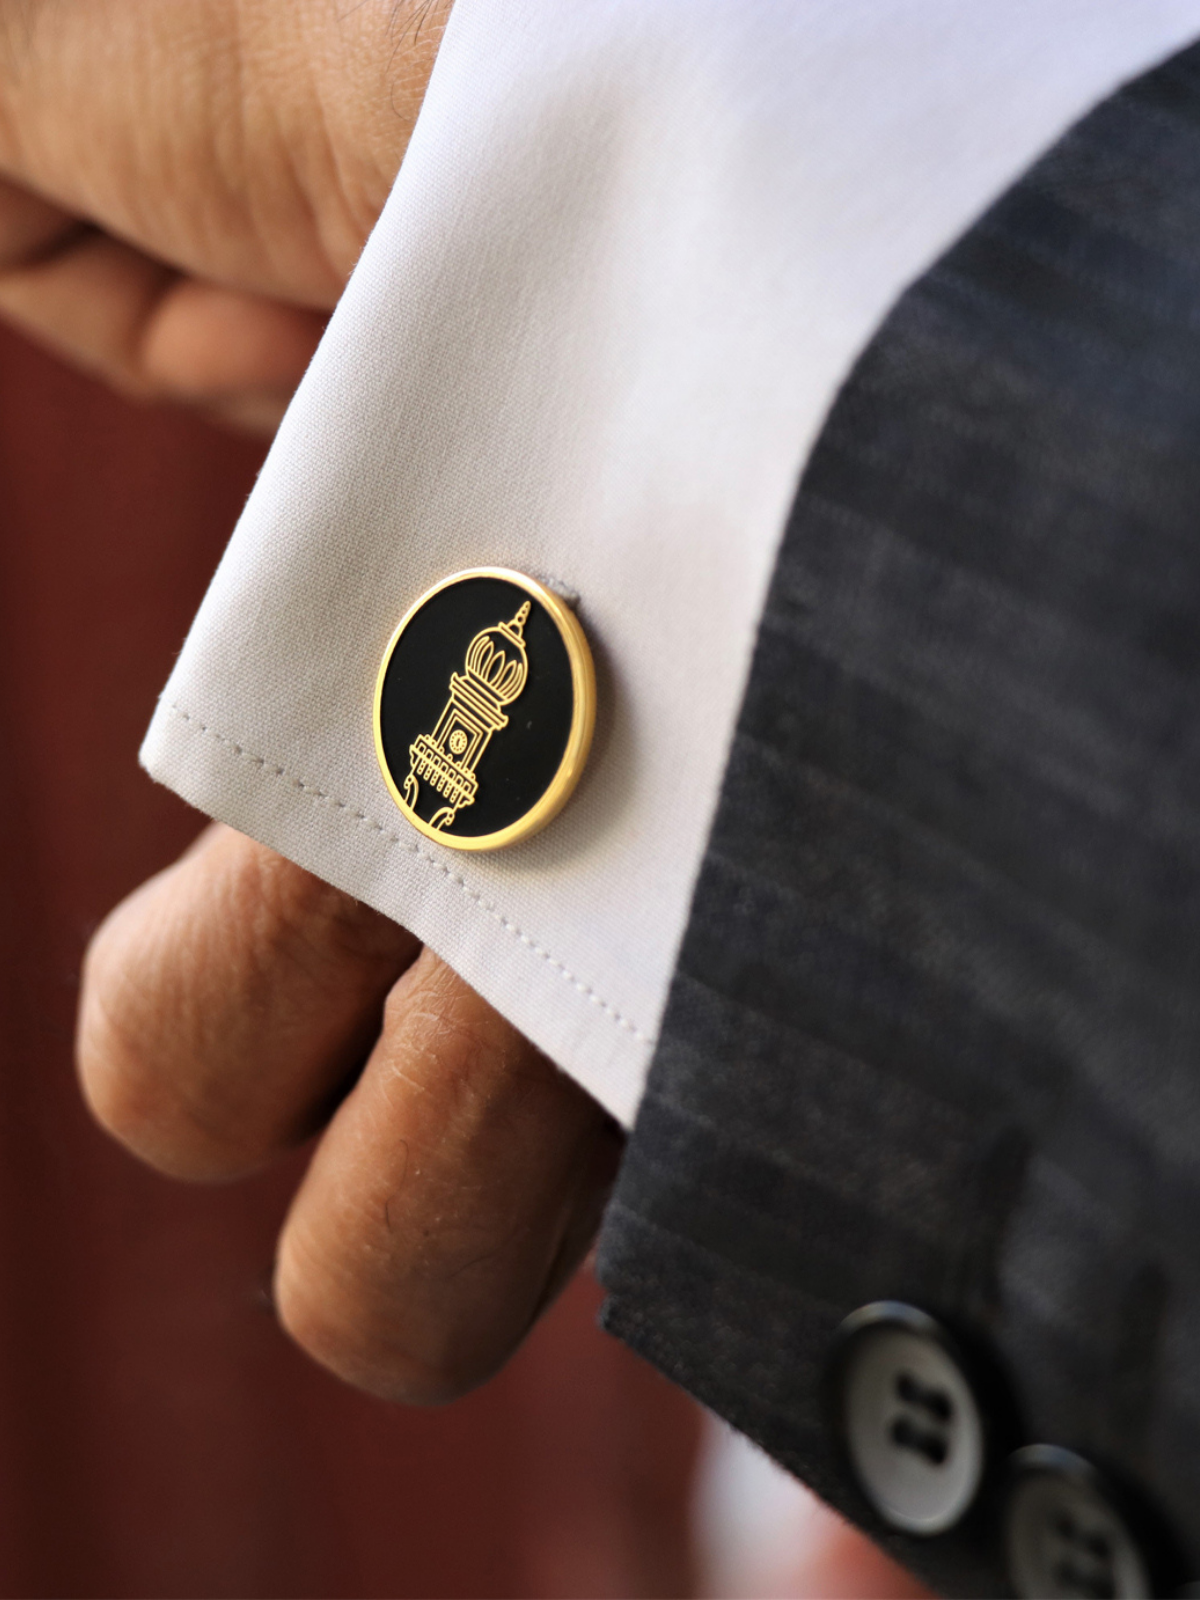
(484, 708)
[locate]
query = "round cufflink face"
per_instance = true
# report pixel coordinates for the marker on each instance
(909, 1418)
(1064, 1536)
(484, 708)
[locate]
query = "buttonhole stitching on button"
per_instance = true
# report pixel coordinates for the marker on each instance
(274, 770)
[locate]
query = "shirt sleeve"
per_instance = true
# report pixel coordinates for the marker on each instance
(632, 252)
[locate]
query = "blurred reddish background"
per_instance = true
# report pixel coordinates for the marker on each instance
(158, 1435)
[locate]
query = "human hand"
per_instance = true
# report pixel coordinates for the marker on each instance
(184, 188)
(188, 187)
(228, 1007)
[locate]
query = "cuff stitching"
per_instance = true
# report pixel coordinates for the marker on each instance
(510, 927)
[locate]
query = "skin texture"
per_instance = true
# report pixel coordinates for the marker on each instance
(184, 188)
(235, 1004)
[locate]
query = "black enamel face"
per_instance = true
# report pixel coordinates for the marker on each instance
(476, 707)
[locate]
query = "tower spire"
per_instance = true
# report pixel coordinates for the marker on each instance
(517, 625)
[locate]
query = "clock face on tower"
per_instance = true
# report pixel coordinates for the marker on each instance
(484, 709)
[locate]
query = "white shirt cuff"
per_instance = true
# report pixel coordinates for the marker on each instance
(632, 252)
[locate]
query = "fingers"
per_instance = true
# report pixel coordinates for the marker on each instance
(241, 141)
(456, 1188)
(141, 327)
(30, 227)
(237, 356)
(225, 1005)
(152, 153)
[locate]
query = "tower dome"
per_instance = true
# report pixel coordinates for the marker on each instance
(496, 658)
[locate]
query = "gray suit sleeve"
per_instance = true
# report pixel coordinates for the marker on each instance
(934, 1037)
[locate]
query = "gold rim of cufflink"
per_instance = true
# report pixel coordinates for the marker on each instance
(583, 719)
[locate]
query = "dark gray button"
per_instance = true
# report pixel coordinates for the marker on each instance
(910, 1420)
(1065, 1538)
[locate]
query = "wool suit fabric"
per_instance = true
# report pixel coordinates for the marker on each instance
(935, 1029)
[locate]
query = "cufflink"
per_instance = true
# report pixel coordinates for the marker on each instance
(1071, 1533)
(909, 1418)
(485, 704)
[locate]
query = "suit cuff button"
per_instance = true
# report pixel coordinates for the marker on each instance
(909, 1418)
(1073, 1533)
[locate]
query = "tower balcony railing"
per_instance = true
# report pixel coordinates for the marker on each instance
(451, 781)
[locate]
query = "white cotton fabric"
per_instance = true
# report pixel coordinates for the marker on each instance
(633, 249)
